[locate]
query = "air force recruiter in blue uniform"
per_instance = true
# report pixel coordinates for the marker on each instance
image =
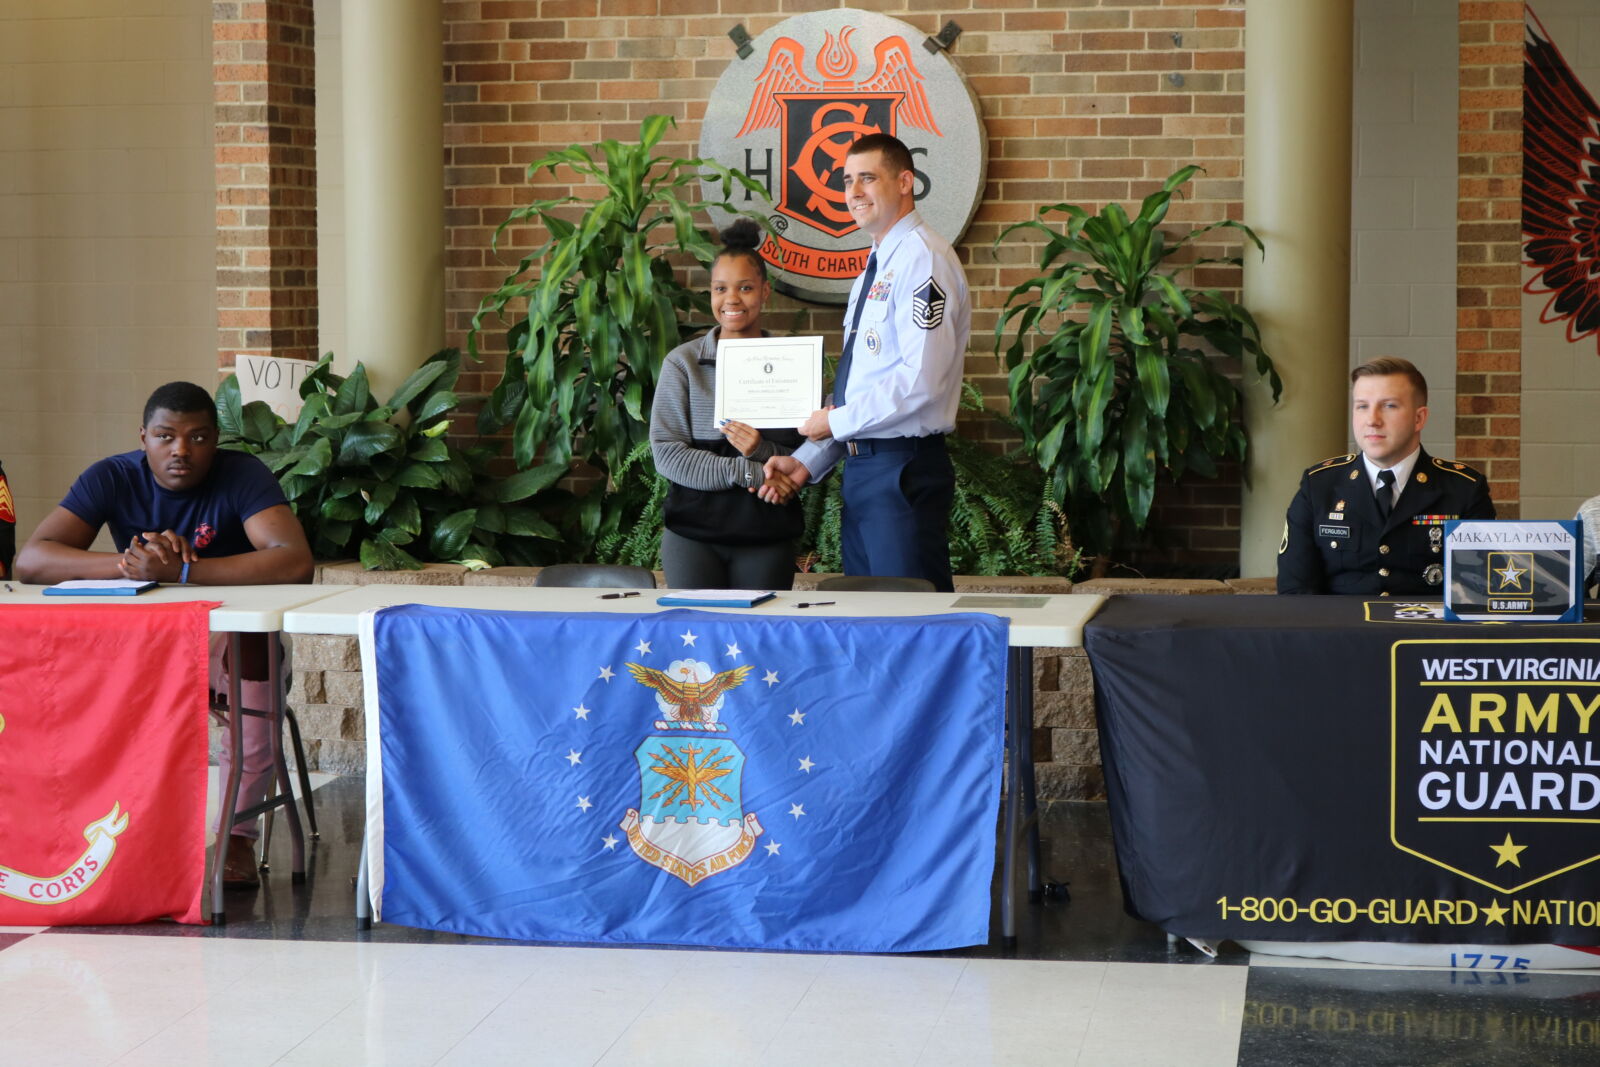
(1372, 521)
(898, 381)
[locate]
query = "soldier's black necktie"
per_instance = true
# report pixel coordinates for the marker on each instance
(1385, 494)
(842, 374)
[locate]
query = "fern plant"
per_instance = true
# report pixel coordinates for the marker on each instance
(641, 497)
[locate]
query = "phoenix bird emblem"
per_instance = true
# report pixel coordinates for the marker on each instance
(896, 72)
(691, 696)
(1560, 188)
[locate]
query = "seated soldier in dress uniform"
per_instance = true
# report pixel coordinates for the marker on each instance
(1373, 521)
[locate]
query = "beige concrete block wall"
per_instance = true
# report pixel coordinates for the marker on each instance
(1403, 196)
(107, 236)
(1561, 379)
(331, 284)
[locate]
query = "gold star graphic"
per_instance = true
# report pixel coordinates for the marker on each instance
(1508, 852)
(1495, 912)
(1511, 574)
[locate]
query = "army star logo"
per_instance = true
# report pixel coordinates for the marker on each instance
(1511, 575)
(927, 306)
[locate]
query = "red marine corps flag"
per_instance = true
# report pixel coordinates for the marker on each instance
(102, 763)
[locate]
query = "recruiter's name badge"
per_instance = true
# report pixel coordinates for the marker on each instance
(768, 382)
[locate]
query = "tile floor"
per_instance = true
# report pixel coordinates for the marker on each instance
(289, 980)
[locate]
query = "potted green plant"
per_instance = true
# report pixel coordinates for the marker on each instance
(394, 492)
(593, 311)
(1110, 379)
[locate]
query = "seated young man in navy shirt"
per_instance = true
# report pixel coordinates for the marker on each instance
(182, 510)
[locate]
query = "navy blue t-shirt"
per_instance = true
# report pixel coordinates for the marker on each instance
(119, 492)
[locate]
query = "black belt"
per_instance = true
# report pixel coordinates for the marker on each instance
(866, 446)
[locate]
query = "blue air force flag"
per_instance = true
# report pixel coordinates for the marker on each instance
(685, 777)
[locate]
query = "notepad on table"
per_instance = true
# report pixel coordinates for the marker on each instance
(100, 587)
(715, 598)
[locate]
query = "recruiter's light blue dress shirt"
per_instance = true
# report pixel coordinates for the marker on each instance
(907, 363)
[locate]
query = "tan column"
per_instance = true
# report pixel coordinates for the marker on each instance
(393, 57)
(1297, 197)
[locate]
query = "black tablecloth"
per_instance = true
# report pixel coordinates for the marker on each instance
(1310, 768)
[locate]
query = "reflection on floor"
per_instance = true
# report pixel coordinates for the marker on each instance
(290, 980)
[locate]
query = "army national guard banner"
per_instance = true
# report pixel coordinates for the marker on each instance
(1337, 769)
(685, 777)
(102, 763)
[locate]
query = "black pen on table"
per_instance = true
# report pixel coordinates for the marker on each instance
(814, 603)
(615, 596)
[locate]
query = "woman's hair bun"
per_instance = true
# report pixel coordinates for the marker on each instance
(742, 234)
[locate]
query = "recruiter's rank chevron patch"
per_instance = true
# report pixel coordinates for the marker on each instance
(927, 306)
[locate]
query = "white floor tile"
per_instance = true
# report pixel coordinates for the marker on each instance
(1016, 1011)
(394, 1030)
(1197, 1023)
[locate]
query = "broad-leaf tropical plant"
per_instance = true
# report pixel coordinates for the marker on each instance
(1110, 376)
(594, 311)
(394, 492)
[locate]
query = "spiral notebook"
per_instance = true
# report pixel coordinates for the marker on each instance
(715, 598)
(100, 587)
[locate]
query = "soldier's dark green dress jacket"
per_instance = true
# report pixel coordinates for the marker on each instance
(1334, 542)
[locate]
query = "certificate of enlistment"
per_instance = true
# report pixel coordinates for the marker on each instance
(769, 382)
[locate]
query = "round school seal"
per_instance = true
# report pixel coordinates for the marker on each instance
(787, 113)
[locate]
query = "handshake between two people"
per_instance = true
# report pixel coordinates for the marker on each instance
(785, 474)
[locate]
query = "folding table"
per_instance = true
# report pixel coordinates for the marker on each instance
(1034, 621)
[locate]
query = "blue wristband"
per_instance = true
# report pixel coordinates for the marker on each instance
(183, 575)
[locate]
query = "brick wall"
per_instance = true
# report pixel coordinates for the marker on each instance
(1082, 103)
(1488, 274)
(264, 72)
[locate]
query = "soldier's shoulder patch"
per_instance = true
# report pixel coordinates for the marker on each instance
(1331, 464)
(1460, 470)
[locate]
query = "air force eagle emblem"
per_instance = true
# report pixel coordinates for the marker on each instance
(690, 821)
(686, 699)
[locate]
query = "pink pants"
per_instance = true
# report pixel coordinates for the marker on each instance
(256, 774)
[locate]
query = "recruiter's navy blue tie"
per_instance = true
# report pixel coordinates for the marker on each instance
(842, 375)
(1385, 494)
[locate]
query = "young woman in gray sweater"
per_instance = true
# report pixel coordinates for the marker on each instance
(718, 534)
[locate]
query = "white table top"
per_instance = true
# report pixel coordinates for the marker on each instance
(245, 608)
(1036, 621)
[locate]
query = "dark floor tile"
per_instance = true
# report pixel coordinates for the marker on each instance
(7, 940)
(1418, 1016)
(1075, 850)
(1090, 924)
